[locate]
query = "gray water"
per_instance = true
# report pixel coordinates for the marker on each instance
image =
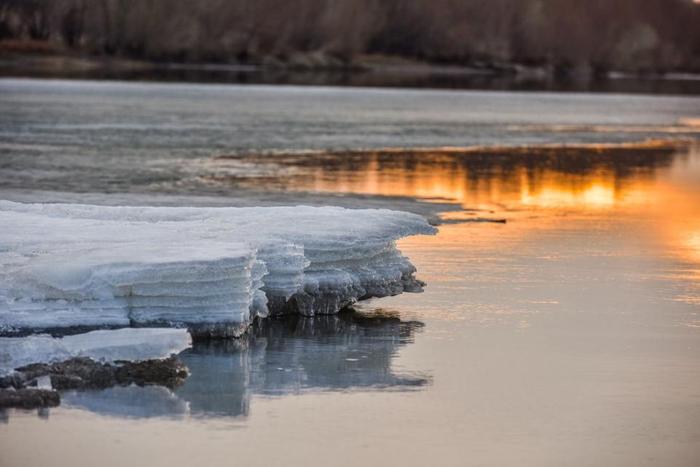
(98, 136)
(570, 335)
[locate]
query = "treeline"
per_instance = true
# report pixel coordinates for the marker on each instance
(593, 35)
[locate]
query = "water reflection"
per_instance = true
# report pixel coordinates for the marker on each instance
(540, 177)
(130, 401)
(348, 352)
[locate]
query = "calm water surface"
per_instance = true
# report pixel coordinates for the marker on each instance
(569, 335)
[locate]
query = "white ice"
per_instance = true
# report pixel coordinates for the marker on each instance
(67, 265)
(134, 344)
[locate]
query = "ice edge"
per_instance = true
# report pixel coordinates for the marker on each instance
(212, 270)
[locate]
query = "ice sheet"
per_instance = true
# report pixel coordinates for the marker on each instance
(132, 344)
(68, 264)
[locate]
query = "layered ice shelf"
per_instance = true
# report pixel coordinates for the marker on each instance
(65, 265)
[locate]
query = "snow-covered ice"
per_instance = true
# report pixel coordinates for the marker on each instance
(133, 344)
(64, 265)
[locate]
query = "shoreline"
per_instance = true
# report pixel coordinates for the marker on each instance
(366, 71)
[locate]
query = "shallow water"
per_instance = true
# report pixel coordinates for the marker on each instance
(570, 335)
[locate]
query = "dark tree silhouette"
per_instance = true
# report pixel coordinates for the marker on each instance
(583, 35)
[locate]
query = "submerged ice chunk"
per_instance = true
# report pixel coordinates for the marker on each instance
(75, 265)
(134, 344)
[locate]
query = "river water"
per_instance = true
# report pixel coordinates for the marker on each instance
(567, 335)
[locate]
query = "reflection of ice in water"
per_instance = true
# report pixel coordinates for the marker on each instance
(128, 401)
(282, 356)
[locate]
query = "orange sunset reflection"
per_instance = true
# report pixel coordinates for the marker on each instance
(533, 190)
(651, 190)
(504, 183)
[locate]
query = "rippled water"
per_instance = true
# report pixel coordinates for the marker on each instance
(568, 335)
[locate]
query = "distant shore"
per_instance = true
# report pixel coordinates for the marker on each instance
(320, 69)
